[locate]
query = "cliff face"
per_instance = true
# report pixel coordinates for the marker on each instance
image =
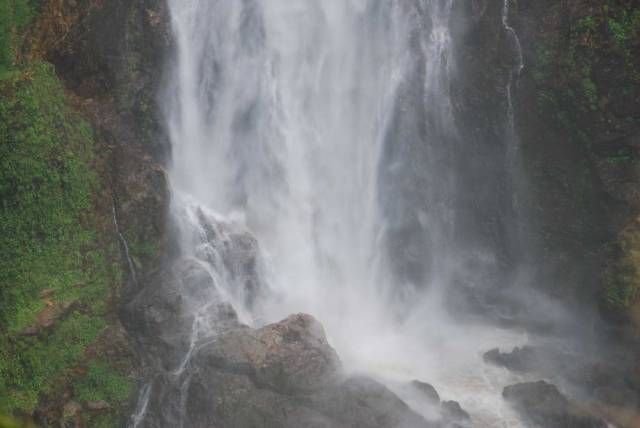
(83, 201)
(579, 118)
(84, 191)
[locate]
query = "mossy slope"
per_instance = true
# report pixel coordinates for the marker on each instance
(57, 246)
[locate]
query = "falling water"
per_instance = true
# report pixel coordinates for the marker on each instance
(511, 136)
(326, 129)
(518, 64)
(125, 246)
(141, 406)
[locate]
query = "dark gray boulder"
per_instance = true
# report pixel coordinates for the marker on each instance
(543, 405)
(161, 317)
(282, 375)
(453, 415)
(427, 391)
(524, 360)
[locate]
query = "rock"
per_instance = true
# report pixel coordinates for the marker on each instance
(542, 404)
(163, 314)
(289, 357)
(427, 391)
(523, 359)
(49, 316)
(281, 375)
(208, 369)
(452, 412)
(97, 406)
(617, 395)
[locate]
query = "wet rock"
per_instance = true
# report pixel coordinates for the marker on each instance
(282, 375)
(452, 413)
(162, 315)
(289, 357)
(427, 391)
(542, 404)
(617, 395)
(523, 359)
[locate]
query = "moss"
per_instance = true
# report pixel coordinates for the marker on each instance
(15, 15)
(622, 280)
(625, 28)
(566, 57)
(46, 187)
(49, 237)
(105, 383)
(38, 365)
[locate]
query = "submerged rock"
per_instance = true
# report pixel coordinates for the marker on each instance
(541, 403)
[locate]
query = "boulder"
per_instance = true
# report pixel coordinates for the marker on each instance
(162, 317)
(427, 391)
(524, 360)
(452, 414)
(281, 375)
(542, 404)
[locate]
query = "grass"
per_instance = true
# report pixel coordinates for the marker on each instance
(48, 236)
(103, 383)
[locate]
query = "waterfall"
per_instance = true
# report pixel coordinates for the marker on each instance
(512, 139)
(518, 64)
(141, 406)
(124, 245)
(326, 129)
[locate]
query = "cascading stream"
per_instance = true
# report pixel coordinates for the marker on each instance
(326, 129)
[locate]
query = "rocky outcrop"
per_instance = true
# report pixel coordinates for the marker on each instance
(543, 405)
(281, 375)
(523, 359)
(427, 391)
(454, 415)
(207, 369)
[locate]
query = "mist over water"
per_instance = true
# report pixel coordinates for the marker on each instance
(326, 129)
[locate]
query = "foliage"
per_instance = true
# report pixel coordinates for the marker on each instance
(103, 383)
(46, 185)
(48, 236)
(15, 15)
(38, 364)
(622, 281)
(566, 59)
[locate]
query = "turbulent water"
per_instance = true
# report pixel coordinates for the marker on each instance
(326, 128)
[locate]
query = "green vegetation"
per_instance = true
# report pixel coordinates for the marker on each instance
(50, 238)
(586, 73)
(563, 68)
(103, 383)
(15, 15)
(36, 365)
(625, 28)
(622, 280)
